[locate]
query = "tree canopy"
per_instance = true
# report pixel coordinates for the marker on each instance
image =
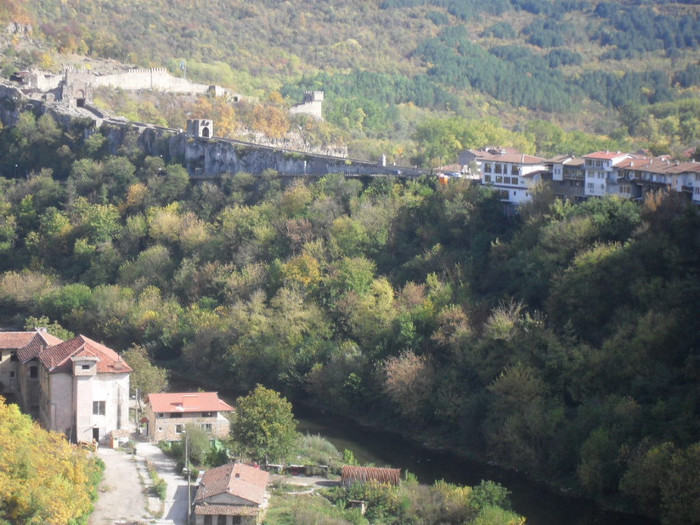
(264, 427)
(43, 479)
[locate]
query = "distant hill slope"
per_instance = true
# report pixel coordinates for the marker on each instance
(542, 58)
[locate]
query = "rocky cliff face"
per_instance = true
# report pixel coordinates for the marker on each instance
(210, 158)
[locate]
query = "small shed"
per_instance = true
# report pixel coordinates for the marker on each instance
(351, 475)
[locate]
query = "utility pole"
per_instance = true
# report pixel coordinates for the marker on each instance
(187, 466)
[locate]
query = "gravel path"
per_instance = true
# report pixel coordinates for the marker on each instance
(121, 497)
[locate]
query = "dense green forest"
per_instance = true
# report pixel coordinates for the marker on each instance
(562, 341)
(386, 66)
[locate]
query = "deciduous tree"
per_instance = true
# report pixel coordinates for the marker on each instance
(264, 427)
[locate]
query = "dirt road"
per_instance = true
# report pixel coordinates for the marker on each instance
(121, 496)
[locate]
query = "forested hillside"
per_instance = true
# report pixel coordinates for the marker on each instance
(626, 70)
(563, 341)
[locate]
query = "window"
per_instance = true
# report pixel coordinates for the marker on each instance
(487, 178)
(514, 170)
(506, 180)
(98, 408)
(175, 415)
(221, 520)
(33, 372)
(85, 367)
(178, 429)
(207, 520)
(499, 169)
(206, 427)
(208, 414)
(487, 168)
(499, 178)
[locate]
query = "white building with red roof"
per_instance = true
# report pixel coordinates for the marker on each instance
(168, 413)
(85, 388)
(600, 173)
(510, 172)
(78, 387)
(233, 493)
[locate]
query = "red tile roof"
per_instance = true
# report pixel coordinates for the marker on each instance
(57, 358)
(604, 155)
(15, 340)
(512, 158)
(685, 167)
(28, 344)
(237, 479)
(188, 402)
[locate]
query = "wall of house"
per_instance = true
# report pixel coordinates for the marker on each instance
(30, 391)
(9, 380)
(230, 520)
(113, 389)
(58, 406)
(165, 428)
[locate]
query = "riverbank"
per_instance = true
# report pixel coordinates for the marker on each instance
(430, 458)
(372, 442)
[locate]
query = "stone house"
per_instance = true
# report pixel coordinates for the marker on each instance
(20, 384)
(167, 414)
(233, 494)
(78, 387)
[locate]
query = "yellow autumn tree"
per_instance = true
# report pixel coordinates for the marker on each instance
(43, 479)
(271, 121)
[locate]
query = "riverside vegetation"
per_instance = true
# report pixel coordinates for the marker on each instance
(561, 341)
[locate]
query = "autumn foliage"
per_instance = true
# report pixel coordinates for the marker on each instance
(43, 479)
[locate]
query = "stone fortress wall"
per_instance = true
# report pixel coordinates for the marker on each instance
(136, 79)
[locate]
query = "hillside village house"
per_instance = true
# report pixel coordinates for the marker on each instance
(167, 414)
(597, 174)
(233, 494)
(508, 171)
(78, 387)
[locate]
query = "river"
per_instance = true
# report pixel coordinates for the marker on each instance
(536, 502)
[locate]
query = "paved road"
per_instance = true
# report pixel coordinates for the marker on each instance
(121, 496)
(175, 508)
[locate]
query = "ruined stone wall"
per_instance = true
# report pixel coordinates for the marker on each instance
(157, 79)
(136, 79)
(211, 158)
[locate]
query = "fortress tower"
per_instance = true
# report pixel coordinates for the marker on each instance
(312, 104)
(200, 128)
